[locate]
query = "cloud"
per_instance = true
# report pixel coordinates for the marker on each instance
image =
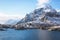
(4, 17)
(41, 2)
(58, 10)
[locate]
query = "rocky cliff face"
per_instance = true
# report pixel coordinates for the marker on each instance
(44, 14)
(42, 18)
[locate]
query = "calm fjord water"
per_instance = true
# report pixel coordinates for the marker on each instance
(31, 34)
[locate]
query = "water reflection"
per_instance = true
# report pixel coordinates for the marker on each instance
(44, 35)
(55, 35)
(33, 34)
(49, 35)
(19, 35)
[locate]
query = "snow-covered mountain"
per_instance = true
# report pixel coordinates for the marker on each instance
(45, 14)
(11, 21)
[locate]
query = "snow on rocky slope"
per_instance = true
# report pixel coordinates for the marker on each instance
(41, 13)
(45, 15)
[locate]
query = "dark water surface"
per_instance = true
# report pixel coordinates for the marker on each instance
(31, 34)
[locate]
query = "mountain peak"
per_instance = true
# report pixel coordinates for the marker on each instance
(45, 6)
(42, 13)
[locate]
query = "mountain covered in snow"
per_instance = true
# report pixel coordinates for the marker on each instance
(45, 17)
(45, 14)
(11, 21)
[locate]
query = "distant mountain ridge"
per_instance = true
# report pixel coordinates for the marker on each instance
(11, 21)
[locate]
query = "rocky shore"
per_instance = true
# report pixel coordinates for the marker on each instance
(25, 26)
